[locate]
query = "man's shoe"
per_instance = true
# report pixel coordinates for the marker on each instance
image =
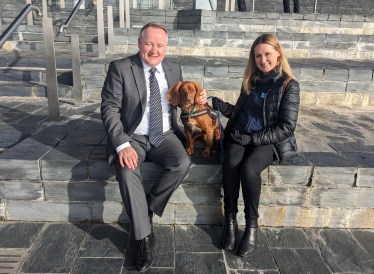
(145, 254)
(229, 231)
(248, 244)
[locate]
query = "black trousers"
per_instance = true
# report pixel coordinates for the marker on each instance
(241, 5)
(244, 164)
(286, 6)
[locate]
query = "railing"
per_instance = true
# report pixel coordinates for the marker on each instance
(8, 32)
(67, 23)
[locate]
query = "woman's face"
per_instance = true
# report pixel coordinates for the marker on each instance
(266, 57)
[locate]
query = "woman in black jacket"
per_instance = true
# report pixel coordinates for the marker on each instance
(260, 129)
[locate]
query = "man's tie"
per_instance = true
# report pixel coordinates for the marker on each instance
(155, 120)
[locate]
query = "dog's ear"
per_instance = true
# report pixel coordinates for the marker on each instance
(173, 94)
(199, 90)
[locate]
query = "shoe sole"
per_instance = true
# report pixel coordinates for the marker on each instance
(246, 255)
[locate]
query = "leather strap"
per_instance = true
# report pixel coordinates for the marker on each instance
(285, 85)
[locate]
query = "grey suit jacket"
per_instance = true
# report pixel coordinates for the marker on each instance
(124, 98)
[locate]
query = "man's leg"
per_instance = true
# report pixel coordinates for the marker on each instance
(132, 191)
(175, 163)
(286, 6)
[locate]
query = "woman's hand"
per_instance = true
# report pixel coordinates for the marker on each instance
(219, 104)
(241, 139)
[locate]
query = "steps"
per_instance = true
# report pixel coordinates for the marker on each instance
(59, 172)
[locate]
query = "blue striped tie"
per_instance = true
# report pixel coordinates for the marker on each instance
(155, 120)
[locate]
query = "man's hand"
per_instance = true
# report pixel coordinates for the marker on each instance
(128, 157)
(202, 98)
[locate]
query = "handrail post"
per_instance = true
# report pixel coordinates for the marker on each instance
(100, 28)
(62, 4)
(253, 6)
(127, 6)
(30, 21)
(161, 4)
(121, 14)
(227, 5)
(134, 4)
(76, 66)
(45, 8)
(1, 31)
(50, 68)
(232, 5)
(315, 6)
(110, 29)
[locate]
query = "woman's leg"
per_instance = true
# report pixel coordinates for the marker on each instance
(231, 179)
(256, 160)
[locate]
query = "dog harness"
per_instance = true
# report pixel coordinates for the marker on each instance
(193, 113)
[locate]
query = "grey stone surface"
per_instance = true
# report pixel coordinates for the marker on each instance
(261, 259)
(336, 75)
(82, 191)
(42, 211)
(283, 175)
(19, 235)
(97, 265)
(360, 75)
(164, 253)
(197, 239)
(286, 238)
(299, 261)
(199, 263)
(342, 197)
(196, 194)
(334, 176)
(21, 190)
(198, 214)
(337, 247)
(105, 241)
(364, 237)
(56, 250)
(365, 177)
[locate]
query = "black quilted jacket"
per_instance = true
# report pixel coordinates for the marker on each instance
(280, 113)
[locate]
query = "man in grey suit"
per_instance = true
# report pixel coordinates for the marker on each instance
(141, 124)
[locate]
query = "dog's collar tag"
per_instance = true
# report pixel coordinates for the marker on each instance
(263, 95)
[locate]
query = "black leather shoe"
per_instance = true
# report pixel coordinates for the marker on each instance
(229, 231)
(144, 258)
(248, 244)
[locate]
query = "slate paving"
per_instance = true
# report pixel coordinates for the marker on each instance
(107, 248)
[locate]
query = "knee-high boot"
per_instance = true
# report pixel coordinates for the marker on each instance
(248, 244)
(229, 231)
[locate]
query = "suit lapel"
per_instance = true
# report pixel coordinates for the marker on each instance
(138, 73)
(171, 77)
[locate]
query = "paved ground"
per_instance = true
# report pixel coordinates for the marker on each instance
(102, 248)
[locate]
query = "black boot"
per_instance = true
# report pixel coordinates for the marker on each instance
(144, 258)
(229, 231)
(248, 244)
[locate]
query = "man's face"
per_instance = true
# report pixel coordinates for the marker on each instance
(152, 46)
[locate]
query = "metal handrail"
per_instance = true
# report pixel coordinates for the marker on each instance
(72, 14)
(8, 32)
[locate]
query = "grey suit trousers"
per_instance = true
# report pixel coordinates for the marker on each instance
(175, 163)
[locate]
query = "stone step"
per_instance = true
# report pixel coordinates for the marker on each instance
(322, 81)
(60, 174)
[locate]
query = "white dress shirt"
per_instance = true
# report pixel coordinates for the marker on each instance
(143, 127)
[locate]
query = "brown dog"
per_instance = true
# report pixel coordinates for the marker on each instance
(199, 121)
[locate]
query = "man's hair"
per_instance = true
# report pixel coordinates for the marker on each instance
(153, 25)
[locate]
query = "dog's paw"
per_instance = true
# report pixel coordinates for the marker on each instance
(189, 151)
(214, 152)
(205, 153)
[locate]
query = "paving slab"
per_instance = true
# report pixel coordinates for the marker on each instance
(340, 251)
(300, 261)
(199, 263)
(104, 241)
(260, 260)
(197, 239)
(98, 265)
(21, 190)
(286, 238)
(56, 250)
(365, 238)
(19, 235)
(11, 259)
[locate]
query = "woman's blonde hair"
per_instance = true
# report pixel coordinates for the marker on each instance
(252, 72)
